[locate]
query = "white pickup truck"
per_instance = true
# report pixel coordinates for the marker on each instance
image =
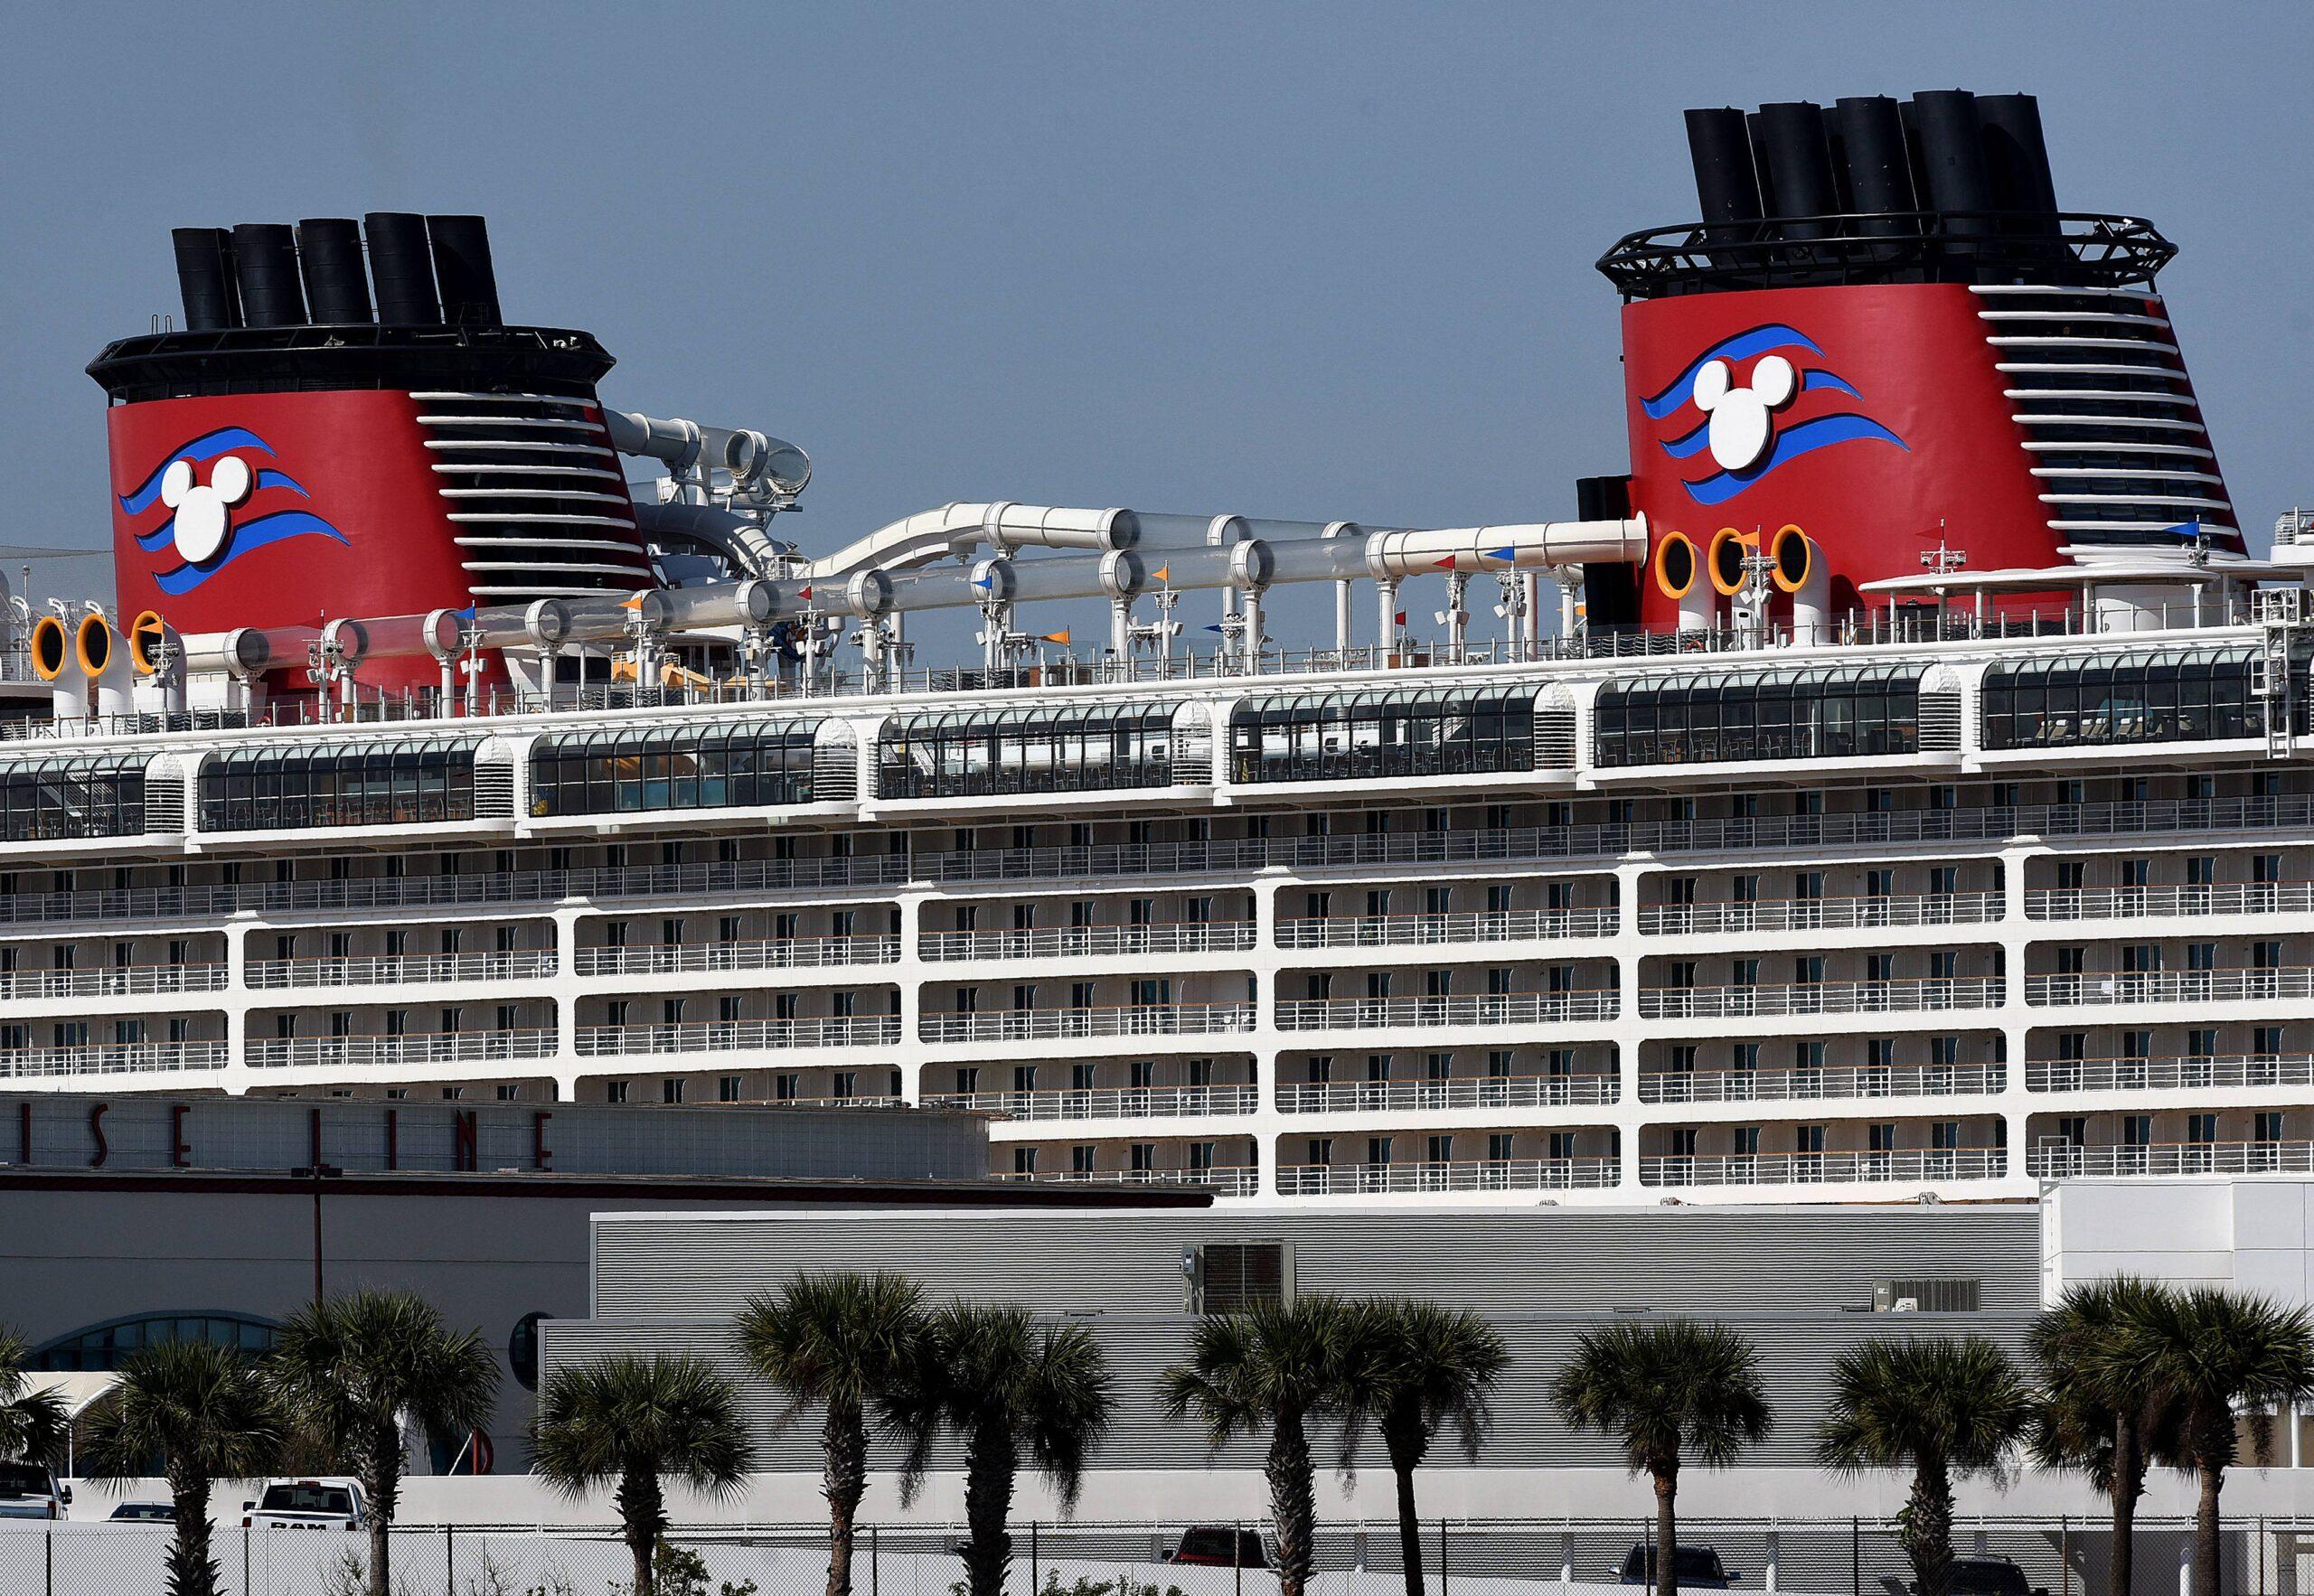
(306, 1504)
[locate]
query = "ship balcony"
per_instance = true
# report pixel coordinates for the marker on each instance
(425, 1047)
(1498, 925)
(119, 980)
(113, 1058)
(1917, 996)
(1446, 1176)
(1778, 916)
(1477, 1009)
(2060, 1162)
(716, 958)
(2188, 902)
(1425, 1096)
(1800, 1083)
(1090, 941)
(401, 969)
(1938, 1165)
(2288, 981)
(1107, 1103)
(2175, 1073)
(1221, 1180)
(734, 1036)
(1143, 1020)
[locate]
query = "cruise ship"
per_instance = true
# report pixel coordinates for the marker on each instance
(1887, 785)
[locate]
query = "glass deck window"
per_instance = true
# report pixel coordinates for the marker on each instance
(413, 781)
(56, 800)
(1334, 736)
(731, 764)
(2155, 696)
(979, 753)
(1799, 714)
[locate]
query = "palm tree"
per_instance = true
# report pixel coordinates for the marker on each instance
(2110, 1428)
(1010, 1390)
(629, 1423)
(1664, 1391)
(848, 1343)
(1949, 1407)
(354, 1368)
(1275, 1366)
(2213, 1352)
(205, 1411)
(1420, 1369)
(34, 1424)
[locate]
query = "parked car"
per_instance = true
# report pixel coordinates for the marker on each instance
(1989, 1576)
(306, 1504)
(1217, 1545)
(27, 1490)
(145, 1512)
(1693, 1568)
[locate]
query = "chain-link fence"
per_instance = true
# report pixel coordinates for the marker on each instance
(1479, 1557)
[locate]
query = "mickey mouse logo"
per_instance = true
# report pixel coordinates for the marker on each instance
(1743, 419)
(204, 510)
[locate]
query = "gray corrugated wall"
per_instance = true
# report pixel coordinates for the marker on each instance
(1500, 1261)
(1797, 1351)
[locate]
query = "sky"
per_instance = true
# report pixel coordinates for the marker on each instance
(1322, 262)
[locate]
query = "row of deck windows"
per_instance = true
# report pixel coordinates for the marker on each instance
(733, 764)
(1779, 715)
(416, 781)
(60, 800)
(2090, 700)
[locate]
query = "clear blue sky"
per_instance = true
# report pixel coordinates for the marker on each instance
(1299, 261)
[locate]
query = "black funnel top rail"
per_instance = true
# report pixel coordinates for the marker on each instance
(1948, 186)
(213, 299)
(401, 269)
(265, 262)
(462, 269)
(337, 289)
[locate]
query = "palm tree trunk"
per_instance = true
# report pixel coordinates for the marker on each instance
(2129, 1484)
(1292, 1501)
(1406, 1439)
(844, 1480)
(2206, 1525)
(382, 1481)
(1667, 1530)
(191, 1572)
(1928, 1527)
(989, 1469)
(643, 1514)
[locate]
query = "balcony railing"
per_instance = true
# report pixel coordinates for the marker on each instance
(1331, 1014)
(733, 1036)
(1453, 1175)
(2171, 986)
(116, 980)
(1820, 914)
(1024, 1025)
(113, 1058)
(1824, 1168)
(1091, 941)
(428, 1047)
(1107, 1103)
(1820, 997)
(1755, 1085)
(1223, 1179)
(400, 969)
(1490, 1092)
(1386, 930)
(2184, 1073)
(793, 952)
(2139, 903)
(2055, 1162)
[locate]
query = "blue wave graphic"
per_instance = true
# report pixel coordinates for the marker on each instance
(282, 479)
(1810, 381)
(1791, 442)
(207, 446)
(1689, 443)
(255, 534)
(159, 537)
(1737, 346)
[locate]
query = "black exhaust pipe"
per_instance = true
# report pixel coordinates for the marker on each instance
(1876, 175)
(212, 300)
(265, 262)
(1948, 160)
(1727, 186)
(1795, 164)
(329, 252)
(401, 269)
(2016, 162)
(462, 265)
